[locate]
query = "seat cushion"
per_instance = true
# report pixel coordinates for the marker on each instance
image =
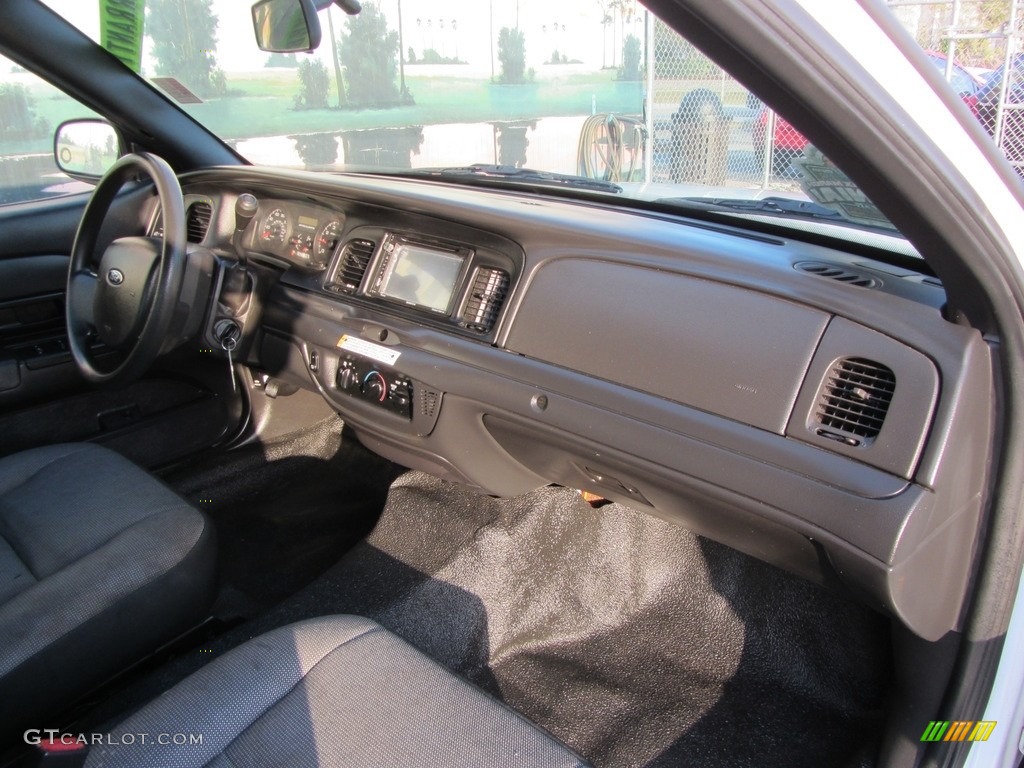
(100, 563)
(333, 691)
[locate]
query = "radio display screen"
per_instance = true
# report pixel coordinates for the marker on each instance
(421, 276)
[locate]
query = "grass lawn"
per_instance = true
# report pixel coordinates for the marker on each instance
(264, 106)
(261, 104)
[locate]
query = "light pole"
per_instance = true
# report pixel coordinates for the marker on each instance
(334, 58)
(401, 51)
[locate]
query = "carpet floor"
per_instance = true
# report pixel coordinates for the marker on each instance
(634, 641)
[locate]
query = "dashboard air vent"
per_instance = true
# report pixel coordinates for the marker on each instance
(355, 258)
(855, 400)
(490, 286)
(838, 273)
(428, 402)
(197, 221)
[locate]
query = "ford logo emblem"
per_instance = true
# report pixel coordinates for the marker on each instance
(115, 277)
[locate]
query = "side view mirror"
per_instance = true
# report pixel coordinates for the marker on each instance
(84, 149)
(286, 26)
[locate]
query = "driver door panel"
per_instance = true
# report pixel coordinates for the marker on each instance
(175, 410)
(34, 362)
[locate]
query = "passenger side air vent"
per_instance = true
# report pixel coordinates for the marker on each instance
(351, 266)
(197, 221)
(490, 286)
(428, 402)
(854, 401)
(838, 273)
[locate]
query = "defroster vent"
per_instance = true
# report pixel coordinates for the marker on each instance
(490, 286)
(837, 273)
(348, 274)
(855, 400)
(197, 221)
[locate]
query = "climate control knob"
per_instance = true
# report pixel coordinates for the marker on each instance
(400, 400)
(347, 378)
(375, 387)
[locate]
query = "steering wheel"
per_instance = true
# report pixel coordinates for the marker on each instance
(127, 296)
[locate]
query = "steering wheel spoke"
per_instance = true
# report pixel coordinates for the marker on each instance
(81, 298)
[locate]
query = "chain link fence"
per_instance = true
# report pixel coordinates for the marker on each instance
(706, 128)
(978, 46)
(1008, 125)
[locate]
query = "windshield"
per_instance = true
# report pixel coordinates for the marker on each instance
(600, 89)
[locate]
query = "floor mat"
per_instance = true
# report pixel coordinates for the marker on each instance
(286, 511)
(632, 640)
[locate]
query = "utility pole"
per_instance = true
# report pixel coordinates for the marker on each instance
(401, 50)
(342, 101)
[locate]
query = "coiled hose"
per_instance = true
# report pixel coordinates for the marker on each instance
(611, 147)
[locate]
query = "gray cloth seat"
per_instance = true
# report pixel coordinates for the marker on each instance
(332, 691)
(100, 564)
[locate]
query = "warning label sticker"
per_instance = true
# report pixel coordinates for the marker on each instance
(358, 346)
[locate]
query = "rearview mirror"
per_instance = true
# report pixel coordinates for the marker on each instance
(286, 26)
(85, 149)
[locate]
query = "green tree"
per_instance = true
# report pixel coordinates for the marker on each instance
(512, 56)
(630, 69)
(314, 83)
(282, 60)
(18, 119)
(431, 56)
(184, 35)
(369, 52)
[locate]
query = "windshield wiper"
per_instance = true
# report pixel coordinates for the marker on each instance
(504, 173)
(769, 206)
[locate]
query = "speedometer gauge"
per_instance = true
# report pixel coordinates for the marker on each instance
(325, 243)
(274, 231)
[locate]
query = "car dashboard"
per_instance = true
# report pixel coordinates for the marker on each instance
(806, 405)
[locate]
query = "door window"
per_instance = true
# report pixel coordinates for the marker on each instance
(30, 111)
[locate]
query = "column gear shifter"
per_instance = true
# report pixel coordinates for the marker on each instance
(245, 210)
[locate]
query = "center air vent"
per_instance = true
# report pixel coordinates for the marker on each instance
(486, 296)
(348, 274)
(197, 221)
(855, 400)
(838, 273)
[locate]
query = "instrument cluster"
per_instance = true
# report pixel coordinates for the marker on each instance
(306, 235)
